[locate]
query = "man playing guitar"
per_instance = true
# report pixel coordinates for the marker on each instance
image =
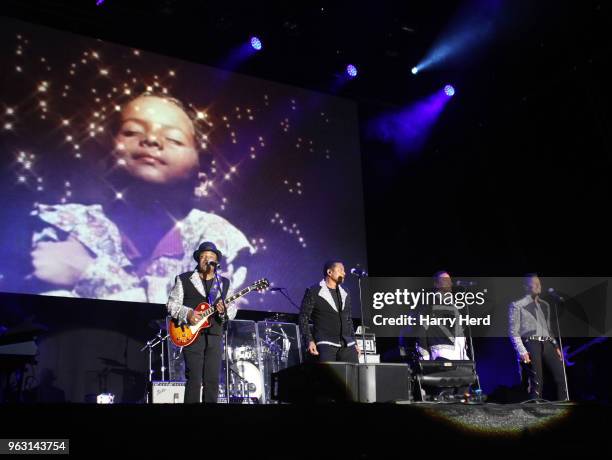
(203, 356)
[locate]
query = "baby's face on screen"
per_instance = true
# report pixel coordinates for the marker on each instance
(156, 141)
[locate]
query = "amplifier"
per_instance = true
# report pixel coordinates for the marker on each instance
(316, 382)
(384, 382)
(168, 392)
(372, 359)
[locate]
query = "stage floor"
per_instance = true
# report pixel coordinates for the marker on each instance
(296, 431)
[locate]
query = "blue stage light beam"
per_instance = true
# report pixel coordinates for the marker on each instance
(409, 129)
(244, 51)
(469, 30)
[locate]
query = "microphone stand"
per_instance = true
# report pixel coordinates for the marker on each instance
(225, 334)
(286, 295)
(561, 348)
(363, 328)
(473, 354)
(282, 291)
(150, 345)
(163, 365)
(469, 328)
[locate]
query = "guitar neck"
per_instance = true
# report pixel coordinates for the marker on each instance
(258, 285)
(239, 294)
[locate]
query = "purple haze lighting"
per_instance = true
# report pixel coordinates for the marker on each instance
(449, 90)
(256, 43)
(409, 129)
(99, 2)
(351, 71)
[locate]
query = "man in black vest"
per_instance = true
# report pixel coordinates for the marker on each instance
(203, 356)
(329, 308)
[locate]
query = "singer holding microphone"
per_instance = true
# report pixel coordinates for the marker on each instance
(531, 335)
(328, 305)
(203, 356)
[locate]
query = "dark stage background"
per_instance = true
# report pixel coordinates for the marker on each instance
(514, 177)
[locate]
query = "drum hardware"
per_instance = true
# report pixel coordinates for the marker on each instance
(245, 380)
(270, 346)
(160, 338)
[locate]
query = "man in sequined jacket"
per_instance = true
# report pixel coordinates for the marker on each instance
(533, 340)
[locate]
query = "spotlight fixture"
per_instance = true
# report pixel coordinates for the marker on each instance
(256, 43)
(351, 71)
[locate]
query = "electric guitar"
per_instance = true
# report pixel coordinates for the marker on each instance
(185, 334)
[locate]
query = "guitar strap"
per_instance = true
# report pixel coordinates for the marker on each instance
(213, 293)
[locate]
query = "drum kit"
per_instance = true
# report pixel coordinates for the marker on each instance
(251, 362)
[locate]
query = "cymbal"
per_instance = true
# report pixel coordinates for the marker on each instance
(280, 317)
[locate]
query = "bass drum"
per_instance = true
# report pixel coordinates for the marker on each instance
(251, 380)
(244, 353)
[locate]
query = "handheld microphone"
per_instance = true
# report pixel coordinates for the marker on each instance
(213, 264)
(359, 272)
(555, 294)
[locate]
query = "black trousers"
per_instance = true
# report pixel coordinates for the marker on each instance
(202, 366)
(329, 353)
(532, 374)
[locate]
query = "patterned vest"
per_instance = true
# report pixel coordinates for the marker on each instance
(192, 298)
